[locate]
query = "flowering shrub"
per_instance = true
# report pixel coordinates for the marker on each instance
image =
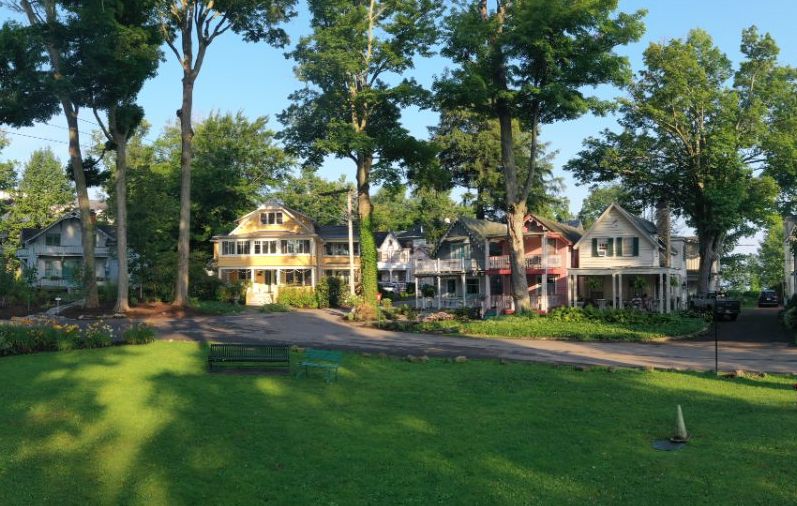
(31, 337)
(138, 333)
(97, 335)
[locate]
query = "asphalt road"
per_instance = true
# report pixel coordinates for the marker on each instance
(754, 325)
(325, 329)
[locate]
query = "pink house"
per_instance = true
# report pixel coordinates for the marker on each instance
(548, 256)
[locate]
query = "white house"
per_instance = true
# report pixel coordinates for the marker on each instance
(789, 257)
(398, 252)
(621, 264)
(56, 252)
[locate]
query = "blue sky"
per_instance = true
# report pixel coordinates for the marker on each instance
(257, 79)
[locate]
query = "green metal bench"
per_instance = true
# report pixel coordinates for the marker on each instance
(326, 360)
(278, 354)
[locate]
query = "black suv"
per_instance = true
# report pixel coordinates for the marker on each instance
(768, 298)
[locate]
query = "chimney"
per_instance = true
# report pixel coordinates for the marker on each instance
(664, 227)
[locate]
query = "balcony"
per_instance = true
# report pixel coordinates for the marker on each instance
(59, 251)
(396, 257)
(445, 266)
(532, 262)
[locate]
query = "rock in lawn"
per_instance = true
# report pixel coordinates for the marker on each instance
(503, 361)
(423, 358)
(365, 354)
(382, 354)
(611, 368)
(648, 368)
(460, 359)
(410, 358)
(739, 373)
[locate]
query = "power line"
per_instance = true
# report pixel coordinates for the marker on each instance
(41, 138)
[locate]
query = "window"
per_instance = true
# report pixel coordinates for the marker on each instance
(50, 269)
(298, 277)
(625, 246)
(71, 269)
(242, 248)
(460, 250)
(551, 246)
(265, 247)
(451, 286)
(274, 218)
(603, 246)
(244, 275)
(472, 286)
(256, 247)
(295, 246)
(53, 239)
(552, 285)
(495, 249)
(227, 247)
(340, 248)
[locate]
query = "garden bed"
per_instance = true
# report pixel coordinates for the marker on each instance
(564, 323)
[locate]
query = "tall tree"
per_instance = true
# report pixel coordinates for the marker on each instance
(190, 27)
(126, 52)
(352, 108)
(43, 194)
(694, 129)
(8, 174)
(50, 57)
(531, 61)
(324, 201)
(770, 255)
(470, 156)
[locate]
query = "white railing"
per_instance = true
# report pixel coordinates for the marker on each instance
(532, 262)
(398, 257)
(59, 251)
(440, 266)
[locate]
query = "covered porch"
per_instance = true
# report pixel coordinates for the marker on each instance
(263, 284)
(453, 291)
(655, 289)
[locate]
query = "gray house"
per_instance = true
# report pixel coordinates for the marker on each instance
(56, 252)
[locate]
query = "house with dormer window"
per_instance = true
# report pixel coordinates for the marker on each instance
(275, 246)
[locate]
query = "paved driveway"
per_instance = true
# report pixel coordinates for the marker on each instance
(755, 325)
(326, 329)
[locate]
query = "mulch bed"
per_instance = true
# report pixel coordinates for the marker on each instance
(148, 310)
(10, 310)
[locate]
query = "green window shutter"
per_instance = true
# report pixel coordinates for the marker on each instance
(636, 246)
(610, 247)
(619, 246)
(594, 247)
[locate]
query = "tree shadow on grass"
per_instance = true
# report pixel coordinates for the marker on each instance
(393, 432)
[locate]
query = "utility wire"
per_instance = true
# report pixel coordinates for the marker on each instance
(41, 138)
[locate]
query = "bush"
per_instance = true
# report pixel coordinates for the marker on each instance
(297, 296)
(138, 333)
(428, 290)
(350, 300)
(32, 338)
(790, 318)
(96, 335)
(322, 292)
(335, 288)
(231, 293)
(274, 308)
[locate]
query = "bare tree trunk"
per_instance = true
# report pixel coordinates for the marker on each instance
(664, 225)
(184, 235)
(516, 214)
(122, 303)
(86, 219)
(708, 246)
(368, 254)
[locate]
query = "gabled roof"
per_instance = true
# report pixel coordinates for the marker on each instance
(484, 228)
(646, 228)
(569, 232)
(336, 232)
(416, 232)
(271, 204)
(29, 234)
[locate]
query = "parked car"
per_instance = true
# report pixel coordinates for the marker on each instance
(717, 303)
(768, 298)
(389, 290)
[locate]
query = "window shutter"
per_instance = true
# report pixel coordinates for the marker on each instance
(636, 246)
(594, 247)
(610, 247)
(619, 246)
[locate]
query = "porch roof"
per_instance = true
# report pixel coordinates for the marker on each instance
(608, 271)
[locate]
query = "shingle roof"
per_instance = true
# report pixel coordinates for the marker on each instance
(484, 228)
(333, 232)
(570, 233)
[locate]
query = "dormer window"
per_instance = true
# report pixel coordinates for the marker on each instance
(273, 218)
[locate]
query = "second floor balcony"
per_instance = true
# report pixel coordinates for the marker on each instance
(445, 266)
(59, 251)
(532, 262)
(395, 257)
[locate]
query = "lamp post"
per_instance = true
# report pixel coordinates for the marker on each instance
(58, 305)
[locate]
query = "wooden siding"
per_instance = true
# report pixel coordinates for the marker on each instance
(615, 225)
(289, 225)
(459, 233)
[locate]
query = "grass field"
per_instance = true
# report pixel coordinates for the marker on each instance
(147, 425)
(543, 327)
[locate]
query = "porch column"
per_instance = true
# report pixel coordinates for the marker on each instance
(439, 292)
(312, 278)
(620, 289)
(544, 300)
(390, 275)
(667, 292)
(660, 293)
(464, 292)
(417, 292)
(614, 298)
(574, 291)
(487, 290)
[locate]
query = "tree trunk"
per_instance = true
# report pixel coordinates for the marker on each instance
(516, 209)
(184, 235)
(368, 254)
(86, 219)
(708, 246)
(122, 303)
(664, 226)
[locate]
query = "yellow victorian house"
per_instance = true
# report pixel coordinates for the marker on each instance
(275, 246)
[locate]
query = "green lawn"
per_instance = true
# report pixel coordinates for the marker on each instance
(147, 425)
(543, 327)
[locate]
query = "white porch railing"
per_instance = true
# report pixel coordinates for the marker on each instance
(57, 251)
(396, 257)
(532, 262)
(439, 266)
